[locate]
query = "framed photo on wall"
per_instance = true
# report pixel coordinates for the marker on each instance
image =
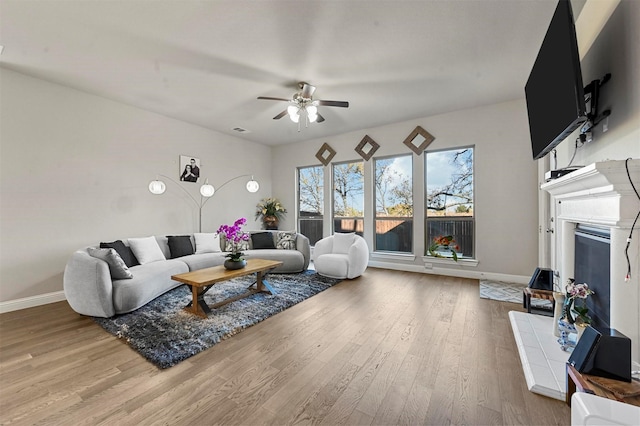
(189, 169)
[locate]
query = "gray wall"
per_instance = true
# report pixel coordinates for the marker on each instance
(75, 169)
(505, 183)
(615, 51)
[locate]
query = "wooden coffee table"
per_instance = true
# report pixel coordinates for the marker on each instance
(202, 280)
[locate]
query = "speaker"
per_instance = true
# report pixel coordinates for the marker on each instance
(603, 352)
(542, 279)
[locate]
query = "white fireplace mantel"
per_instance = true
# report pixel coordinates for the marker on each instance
(601, 195)
(598, 194)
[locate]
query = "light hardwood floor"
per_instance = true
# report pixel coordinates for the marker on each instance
(387, 348)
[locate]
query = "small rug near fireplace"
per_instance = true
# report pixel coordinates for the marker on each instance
(165, 334)
(501, 291)
(508, 292)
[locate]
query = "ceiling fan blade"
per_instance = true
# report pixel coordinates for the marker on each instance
(320, 119)
(307, 90)
(269, 98)
(342, 104)
(279, 116)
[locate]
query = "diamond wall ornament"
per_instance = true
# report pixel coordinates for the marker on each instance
(419, 140)
(325, 154)
(367, 147)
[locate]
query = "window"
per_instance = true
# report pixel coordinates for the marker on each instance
(310, 202)
(449, 198)
(348, 197)
(394, 204)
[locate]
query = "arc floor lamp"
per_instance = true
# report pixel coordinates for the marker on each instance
(207, 191)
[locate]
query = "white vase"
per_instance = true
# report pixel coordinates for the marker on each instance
(558, 297)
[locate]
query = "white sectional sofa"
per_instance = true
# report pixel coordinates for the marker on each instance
(93, 287)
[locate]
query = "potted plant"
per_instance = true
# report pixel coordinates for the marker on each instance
(444, 244)
(270, 210)
(235, 235)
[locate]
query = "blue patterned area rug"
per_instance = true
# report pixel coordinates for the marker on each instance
(165, 334)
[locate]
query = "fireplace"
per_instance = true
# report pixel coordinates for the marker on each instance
(592, 266)
(600, 199)
(595, 210)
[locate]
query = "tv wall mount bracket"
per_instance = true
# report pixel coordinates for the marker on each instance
(591, 96)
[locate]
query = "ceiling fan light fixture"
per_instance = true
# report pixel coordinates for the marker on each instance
(312, 113)
(303, 105)
(294, 113)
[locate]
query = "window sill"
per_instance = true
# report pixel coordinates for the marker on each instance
(431, 261)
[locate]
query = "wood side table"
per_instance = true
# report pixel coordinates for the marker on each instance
(578, 382)
(529, 293)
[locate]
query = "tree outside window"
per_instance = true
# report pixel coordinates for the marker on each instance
(311, 202)
(348, 197)
(394, 204)
(449, 198)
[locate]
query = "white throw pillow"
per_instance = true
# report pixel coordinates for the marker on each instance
(342, 242)
(207, 242)
(146, 249)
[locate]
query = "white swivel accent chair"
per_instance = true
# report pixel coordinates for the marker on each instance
(341, 256)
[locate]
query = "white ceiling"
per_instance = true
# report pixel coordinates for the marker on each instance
(205, 62)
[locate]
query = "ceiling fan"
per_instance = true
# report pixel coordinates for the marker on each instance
(302, 103)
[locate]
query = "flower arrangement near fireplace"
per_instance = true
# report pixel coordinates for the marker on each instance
(574, 312)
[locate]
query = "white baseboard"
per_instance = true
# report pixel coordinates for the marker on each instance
(461, 273)
(30, 302)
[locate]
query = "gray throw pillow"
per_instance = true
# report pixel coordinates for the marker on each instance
(124, 251)
(117, 267)
(180, 245)
(286, 240)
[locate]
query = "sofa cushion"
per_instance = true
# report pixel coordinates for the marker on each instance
(146, 250)
(333, 265)
(125, 252)
(293, 260)
(342, 242)
(117, 267)
(203, 260)
(262, 240)
(180, 245)
(149, 281)
(207, 242)
(286, 240)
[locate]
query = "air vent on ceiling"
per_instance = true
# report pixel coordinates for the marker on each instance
(241, 130)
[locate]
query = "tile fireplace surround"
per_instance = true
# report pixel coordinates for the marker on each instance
(599, 195)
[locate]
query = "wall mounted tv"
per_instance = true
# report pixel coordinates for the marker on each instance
(554, 91)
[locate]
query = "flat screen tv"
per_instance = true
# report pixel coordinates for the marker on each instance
(554, 90)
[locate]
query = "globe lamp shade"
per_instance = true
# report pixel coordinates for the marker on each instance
(252, 185)
(157, 187)
(207, 190)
